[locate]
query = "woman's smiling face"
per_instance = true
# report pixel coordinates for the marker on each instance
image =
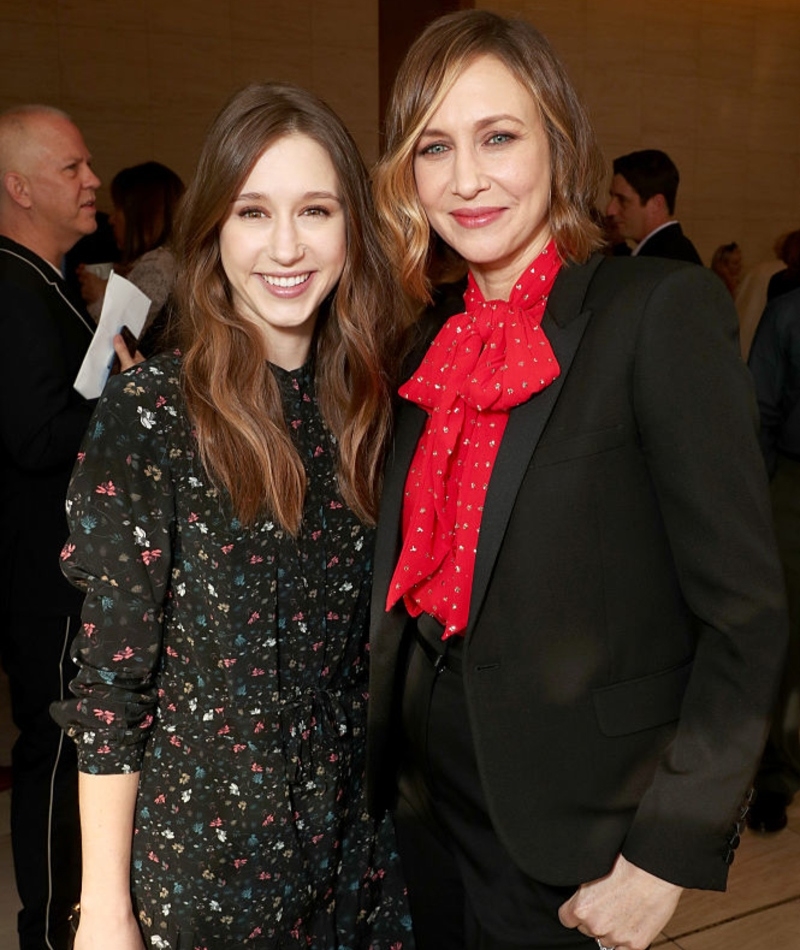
(482, 170)
(283, 245)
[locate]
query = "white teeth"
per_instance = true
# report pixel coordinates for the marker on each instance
(286, 281)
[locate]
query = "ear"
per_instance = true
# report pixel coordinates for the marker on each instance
(658, 206)
(18, 189)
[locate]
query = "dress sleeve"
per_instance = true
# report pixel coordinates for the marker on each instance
(121, 514)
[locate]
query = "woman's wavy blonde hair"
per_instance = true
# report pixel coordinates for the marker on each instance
(433, 64)
(233, 398)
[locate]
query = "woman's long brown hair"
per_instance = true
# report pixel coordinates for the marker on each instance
(232, 396)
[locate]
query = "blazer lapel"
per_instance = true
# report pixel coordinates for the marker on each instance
(410, 420)
(564, 323)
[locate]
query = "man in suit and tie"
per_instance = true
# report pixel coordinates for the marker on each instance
(47, 202)
(642, 206)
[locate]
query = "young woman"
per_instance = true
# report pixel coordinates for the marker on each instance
(220, 514)
(578, 609)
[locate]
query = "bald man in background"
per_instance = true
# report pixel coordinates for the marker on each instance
(47, 202)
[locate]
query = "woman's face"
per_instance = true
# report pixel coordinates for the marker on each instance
(283, 244)
(482, 168)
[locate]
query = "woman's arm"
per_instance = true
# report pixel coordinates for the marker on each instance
(697, 423)
(107, 806)
(154, 274)
(121, 512)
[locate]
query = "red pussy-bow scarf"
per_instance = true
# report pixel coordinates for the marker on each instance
(481, 364)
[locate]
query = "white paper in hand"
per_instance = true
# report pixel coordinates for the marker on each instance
(123, 305)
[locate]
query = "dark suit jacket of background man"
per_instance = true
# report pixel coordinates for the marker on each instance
(628, 617)
(672, 243)
(45, 334)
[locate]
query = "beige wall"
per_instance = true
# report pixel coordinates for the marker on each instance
(716, 83)
(143, 78)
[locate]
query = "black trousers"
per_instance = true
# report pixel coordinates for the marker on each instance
(45, 830)
(464, 889)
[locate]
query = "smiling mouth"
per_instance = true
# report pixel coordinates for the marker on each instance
(293, 281)
(476, 217)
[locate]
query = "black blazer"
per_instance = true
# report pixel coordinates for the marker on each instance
(671, 243)
(45, 334)
(627, 620)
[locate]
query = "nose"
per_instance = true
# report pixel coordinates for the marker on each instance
(468, 178)
(284, 242)
(90, 180)
(612, 208)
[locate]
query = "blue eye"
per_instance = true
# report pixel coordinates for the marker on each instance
(500, 138)
(436, 148)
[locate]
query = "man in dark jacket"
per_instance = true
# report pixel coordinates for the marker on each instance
(642, 206)
(47, 202)
(775, 365)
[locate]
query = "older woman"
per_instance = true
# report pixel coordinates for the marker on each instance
(578, 615)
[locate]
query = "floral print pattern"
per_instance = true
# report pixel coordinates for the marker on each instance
(227, 664)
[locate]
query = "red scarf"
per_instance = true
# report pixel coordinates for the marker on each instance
(481, 364)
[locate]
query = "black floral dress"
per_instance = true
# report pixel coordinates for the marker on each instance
(227, 665)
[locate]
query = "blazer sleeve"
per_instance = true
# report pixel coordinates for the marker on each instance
(43, 418)
(698, 425)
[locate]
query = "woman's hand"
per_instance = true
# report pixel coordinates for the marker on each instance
(101, 930)
(124, 357)
(92, 287)
(627, 909)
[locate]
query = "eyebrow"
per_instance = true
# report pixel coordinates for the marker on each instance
(308, 196)
(480, 124)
